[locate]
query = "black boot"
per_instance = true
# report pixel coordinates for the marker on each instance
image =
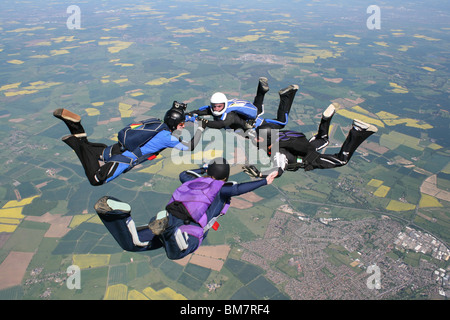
(263, 85)
(72, 141)
(359, 132)
(263, 88)
(287, 96)
(72, 120)
(321, 139)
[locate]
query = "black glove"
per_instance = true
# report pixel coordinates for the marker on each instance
(307, 166)
(203, 123)
(252, 171)
(249, 124)
(310, 160)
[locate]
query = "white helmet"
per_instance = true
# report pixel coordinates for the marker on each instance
(218, 97)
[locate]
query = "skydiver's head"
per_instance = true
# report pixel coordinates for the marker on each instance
(219, 169)
(218, 103)
(174, 117)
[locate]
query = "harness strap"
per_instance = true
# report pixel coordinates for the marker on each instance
(198, 231)
(278, 122)
(258, 122)
(306, 162)
(311, 157)
(127, 157)
(194, 231)
(295, 166)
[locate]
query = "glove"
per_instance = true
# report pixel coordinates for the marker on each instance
(203, 123)
(204, 168)
(252, 171)
(251, 135)
(249, 124)
(307, 166)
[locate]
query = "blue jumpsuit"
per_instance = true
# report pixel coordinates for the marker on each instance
(236, 116)
(90, 153)
(159, 142)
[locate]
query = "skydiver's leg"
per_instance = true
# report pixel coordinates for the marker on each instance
(327, 161)
(287, 96)
(263, 88)
(89, 154)
(116, 216)
(72, 120)
(320, 139)
(359, 132)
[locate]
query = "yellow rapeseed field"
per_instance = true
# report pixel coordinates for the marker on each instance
(115, 45)
(11, 214)
(248, 38)
(163, 294)
(398, 88)
(427, 201)
(375, 183)
(161, 81)
(395, 205)
(85, 261)
(353, 115)
(92, 111)
(136, 295)
(15, 61)
(120, 292)
(125, 110)
(116, 292)
(79, 219)
(382, 191)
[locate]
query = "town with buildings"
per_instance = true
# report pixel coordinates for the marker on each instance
(332, 258)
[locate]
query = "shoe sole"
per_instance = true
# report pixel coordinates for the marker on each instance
(158, 226)
(290, 88)
(106, 204)
(67, 137)
(364, 126)
(329, 112)
(65, 114)
(77, 135)
(264, 83)
(372, 128)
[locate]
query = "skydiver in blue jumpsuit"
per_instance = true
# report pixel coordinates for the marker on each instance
(116, 160)
(241, 114)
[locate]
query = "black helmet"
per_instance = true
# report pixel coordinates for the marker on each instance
(175, 115)
(219, 169)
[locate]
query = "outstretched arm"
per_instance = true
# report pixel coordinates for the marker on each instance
(190, 145)
(241, 188)
(280, 161)
(230, 119)
(203, 111)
